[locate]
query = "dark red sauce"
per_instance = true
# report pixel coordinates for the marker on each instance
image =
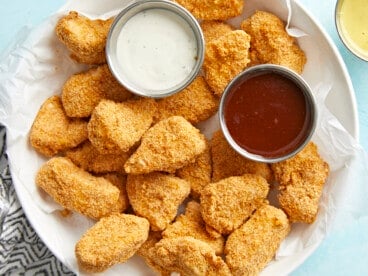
(267, 115)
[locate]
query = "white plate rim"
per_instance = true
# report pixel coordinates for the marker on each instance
(351, 92)
(28, 205)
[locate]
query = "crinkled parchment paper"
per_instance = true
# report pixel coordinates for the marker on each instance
(37, 66)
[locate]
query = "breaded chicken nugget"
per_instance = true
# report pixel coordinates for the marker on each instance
(271, 43)
(226, 204)
(53, 132)
(167, 146)
(213, 29)
(227, 162)
(117, 127)
(153, 238)
(85, 38)
(213, 9)
(157, 196)
(83, 91)
(191, 224)
(189, 257)
(119, 181)
(195, 103)
(113, 239)
(90, 159)
(213, 232)
(301, 181)
(77, 190)
(249, 248)
(225, 57)
(199, 173)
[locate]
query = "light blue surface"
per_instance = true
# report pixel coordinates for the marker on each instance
(344, 252)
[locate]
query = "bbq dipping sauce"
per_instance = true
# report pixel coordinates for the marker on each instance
(155, 48)
(267, 113)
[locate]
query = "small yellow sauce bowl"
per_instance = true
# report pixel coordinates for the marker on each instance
(351, 18)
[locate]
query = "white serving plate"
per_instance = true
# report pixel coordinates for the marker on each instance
(33, 86)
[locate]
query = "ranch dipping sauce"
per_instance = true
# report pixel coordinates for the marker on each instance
(155, 48)
(267, 114)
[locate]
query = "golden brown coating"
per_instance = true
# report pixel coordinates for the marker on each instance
(271, 43)
(117, 127)
(191, 224)
(84, 38)
(226, 204)
(227, 162)
(225, 57)
(90, 159)
(119, 181)
(113, 239)
(301, 180)
(195, 103)
(213, 29)
(83, 91)
(188, 256)
(53, 132)
(77, 190)
(213, 9)
(251, 247)
(157, 196)
(153, 238)
(167, 146)
(199, 173)
(213, 232)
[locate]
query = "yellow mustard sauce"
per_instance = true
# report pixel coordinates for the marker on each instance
(353, 17)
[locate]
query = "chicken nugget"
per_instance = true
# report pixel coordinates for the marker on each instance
(271, 43)
(225, 57)
(199, 173)
(213, 29)
(167, 146)
(213, 9)
(251, 247)
(188, 256)
(90, 159)
(301, 180)
(213, 232)
(76, 189)
(119, 181)
(195, 103)
(82, 92)
(84, 38)
(113, 239)
(153, 238)
(117, 127)
(53, 132)
(227, 162)
(226, 204)
(157, 196)
(191, 224)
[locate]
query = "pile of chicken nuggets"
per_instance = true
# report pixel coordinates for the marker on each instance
(131, 163)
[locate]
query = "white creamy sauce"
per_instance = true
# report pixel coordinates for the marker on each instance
(156, 49)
